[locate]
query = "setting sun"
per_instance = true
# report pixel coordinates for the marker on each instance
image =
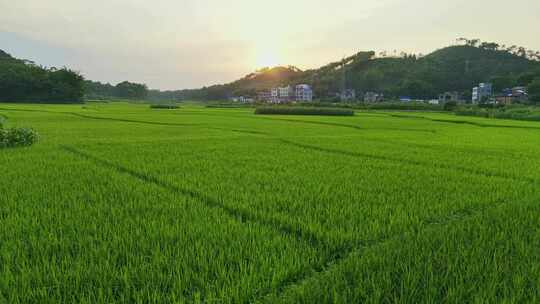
(267, 57)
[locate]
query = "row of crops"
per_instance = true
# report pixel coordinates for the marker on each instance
(119, 203)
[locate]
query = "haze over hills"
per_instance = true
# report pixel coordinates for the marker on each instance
(454, 68)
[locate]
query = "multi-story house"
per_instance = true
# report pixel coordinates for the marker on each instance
(449, 96)
(286, 94)
(372, 97)
(264, 95)
(274, 95)
(303, 92)
(482, 93)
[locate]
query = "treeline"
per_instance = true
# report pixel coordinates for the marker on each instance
(95, 90)
(516, 50)
(456, 68)
(24, 81)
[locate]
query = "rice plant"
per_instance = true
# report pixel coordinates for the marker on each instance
(120, 203)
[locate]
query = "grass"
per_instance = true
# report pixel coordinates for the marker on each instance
(514, 112)
(120, 203)
(286, 110)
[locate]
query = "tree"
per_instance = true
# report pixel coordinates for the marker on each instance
(24, 81)
(450, 106)
(502, 82)
(416, 89)
(534, 90)
(526, 78)
(131, 90)
(492, 46)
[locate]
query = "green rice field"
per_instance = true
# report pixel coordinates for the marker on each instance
(121, 203)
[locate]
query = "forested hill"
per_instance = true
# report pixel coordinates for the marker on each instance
(24, 81)
(262, 79)
(5, 56)
(455, 68)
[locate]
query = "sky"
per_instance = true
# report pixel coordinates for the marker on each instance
(176, 44)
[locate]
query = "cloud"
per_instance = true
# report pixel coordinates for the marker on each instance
(190, 43)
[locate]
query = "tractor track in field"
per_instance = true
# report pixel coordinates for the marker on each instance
(173, 124)
(358, 247)
(464, 122)
(241, 215)
(132, 120)
(330, 260)
(410, 162)
(165, 123)
(333, 124)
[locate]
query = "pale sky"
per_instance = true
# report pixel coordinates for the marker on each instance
(175, 44)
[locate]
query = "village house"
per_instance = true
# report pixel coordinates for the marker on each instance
(303, 92)
(264, 95)
(482, 93)
(286, 94)
(449, 96)
(511, 96)
(348, 95)
(371, 97)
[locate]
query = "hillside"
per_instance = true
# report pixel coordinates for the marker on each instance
(455, 68)
(5, 56)
(24, 81)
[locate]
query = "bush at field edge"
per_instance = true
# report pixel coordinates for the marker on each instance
(164, 106)
(17, 137)
(303, 111)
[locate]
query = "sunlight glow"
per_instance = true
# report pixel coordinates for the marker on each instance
(267, 57)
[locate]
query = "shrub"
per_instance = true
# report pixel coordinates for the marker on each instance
(303, 111)
(17, 137)
(164, 106)
(516, 112)
(450, 106)
(229, 105)
(400, 106)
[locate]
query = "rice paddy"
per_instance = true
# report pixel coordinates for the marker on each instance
(120, 203)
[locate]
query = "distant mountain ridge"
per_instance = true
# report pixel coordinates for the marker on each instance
(454, 68)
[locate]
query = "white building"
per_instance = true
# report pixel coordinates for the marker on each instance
(372, 97)
(274, 95)
(482, 92)
(282, 95)
(286, 94)
(303, 92)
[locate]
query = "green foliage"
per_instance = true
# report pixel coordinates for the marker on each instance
(456, 68)
(450, 106)
(515, 112)
(503, 82)
(284, 110)
(534, 90)
(164, 106)
(95, 90)
(416, 89)
(526, 78)
(22, 81)
(17, 137)
(403, 106)
(125, 204)
(131, 90)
